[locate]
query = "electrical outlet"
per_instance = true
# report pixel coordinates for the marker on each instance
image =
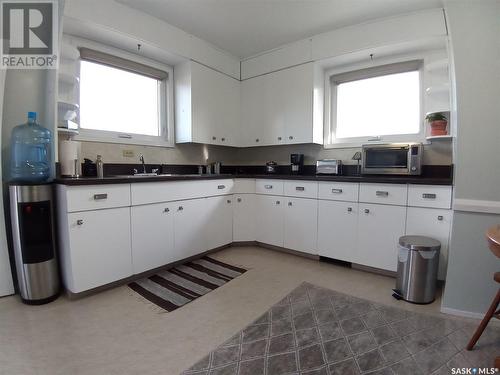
(128, 154)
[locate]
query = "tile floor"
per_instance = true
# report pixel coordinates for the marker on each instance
(114, 332)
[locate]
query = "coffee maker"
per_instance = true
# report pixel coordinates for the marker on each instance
(297, 163)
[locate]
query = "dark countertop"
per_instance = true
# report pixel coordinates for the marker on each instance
(423, 180)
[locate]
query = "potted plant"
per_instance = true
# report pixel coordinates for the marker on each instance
(438, 123)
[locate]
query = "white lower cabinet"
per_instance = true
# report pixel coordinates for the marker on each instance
(270, 222)
(244, 217)
(100, 248)
(435, 223)
(219, 217)
(190, 219)
(337, 229)
(152, 236)
(300, 224)
(379, 229)
(101, 245)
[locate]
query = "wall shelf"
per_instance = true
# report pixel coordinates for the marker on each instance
(68, 132)
(443, 88)
(438, 137)
(68, 79)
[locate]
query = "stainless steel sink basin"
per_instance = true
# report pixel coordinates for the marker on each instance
(138, 175)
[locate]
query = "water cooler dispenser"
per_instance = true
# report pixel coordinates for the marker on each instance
(32, 217)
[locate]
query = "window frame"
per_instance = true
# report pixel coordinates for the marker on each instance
(166, 100)
(336, 76)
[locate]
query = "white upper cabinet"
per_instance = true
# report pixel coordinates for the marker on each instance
(207, 105)
(279, 107)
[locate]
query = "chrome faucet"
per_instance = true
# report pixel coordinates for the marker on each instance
(141, 158)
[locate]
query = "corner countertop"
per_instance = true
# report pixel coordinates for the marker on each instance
(422, 180)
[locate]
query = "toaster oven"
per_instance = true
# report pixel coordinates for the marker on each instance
(329, 166)
(394, 158)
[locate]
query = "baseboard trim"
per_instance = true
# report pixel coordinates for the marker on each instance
(468, 314)
(287, 251)
(476, 205)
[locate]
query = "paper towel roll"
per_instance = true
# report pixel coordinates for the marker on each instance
(68, 153)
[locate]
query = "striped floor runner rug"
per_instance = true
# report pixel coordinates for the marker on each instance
(177, 286)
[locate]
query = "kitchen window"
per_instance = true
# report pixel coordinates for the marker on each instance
(381, 104)
(123, 101)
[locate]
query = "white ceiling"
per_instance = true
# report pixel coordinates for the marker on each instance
(248, 27)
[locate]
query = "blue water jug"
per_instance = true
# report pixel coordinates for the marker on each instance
(31, 152)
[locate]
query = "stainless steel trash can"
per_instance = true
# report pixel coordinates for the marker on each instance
(33, 235)
(418, 261)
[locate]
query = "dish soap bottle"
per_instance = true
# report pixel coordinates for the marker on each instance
(31, 151)
(100, 166)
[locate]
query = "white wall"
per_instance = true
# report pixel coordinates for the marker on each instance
(475, 28)
(107, 20)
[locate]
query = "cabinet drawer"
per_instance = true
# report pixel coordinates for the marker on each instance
(396, 194)
(339, 191)
(429, 196)
(272, 187)
(244, 186)
(302, 189)
(95, 197)
(154, 192)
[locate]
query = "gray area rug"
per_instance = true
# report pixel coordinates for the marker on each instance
(319, 331)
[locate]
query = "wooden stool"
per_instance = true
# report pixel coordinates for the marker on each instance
(493, 235)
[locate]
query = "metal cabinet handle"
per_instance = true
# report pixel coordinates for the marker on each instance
(98, 197)
(337, 191)
(79, 222)
(428, 196)
(279, 138)
(223, 139)
(268, 186)
(228, 201)
(440, 218)
(257, 140)
(290, 137)
(166, 209)
(382, 193)
(277, 202)
(367, 211)
(220, 187)
(214, 138)
(300, 188)
(180, 208)
(290, 204)
(349, 209)
(239, 200)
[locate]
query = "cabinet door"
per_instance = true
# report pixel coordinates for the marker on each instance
(100, 247)
(253, 100)
(433, 223)
(244, 217)
(337, 230)
(270, 222)
(190, 220)
(296, 88)
(215, 106)
(152, 236)
(301, 225)
(380, 227)
(219, 226)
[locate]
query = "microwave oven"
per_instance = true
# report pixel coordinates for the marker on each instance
(394, 158)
